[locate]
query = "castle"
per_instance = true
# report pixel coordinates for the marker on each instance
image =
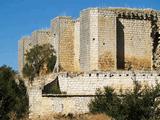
(111, 46)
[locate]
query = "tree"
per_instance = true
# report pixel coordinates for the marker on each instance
(139, 104)
(13, 95)
(38, 57)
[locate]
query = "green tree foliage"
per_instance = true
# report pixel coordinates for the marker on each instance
(13, 95)
(36, 58)
(139, 104)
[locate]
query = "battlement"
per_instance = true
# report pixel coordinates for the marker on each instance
(111, 74)
(127, 13)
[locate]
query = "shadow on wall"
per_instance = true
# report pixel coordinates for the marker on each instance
(120, 46)
(52, 88)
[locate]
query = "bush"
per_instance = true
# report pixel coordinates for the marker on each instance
(13, 95)
(139, 104)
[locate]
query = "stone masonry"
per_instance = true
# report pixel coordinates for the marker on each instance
(103, 47)
(63, 31)
(102, 39)
(80, 89)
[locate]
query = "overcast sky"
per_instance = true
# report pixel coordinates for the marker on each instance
(21, 17)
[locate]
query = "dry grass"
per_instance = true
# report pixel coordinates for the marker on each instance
(76, 117)
(99, 117)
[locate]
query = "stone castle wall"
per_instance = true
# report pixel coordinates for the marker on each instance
(21, 54)
(66, 45)
(107, 30)
(103, 39)
(93, 40)
(134, 38)
(113, 39)
(80, 89)
(41, 37)
(84, 40)
(86, 84)
(77, 45)
(42, 105)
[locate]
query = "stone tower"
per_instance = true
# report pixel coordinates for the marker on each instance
(63, 31)
(101, 39)
(98, 40)
(117, 39)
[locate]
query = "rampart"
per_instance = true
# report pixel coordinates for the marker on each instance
(103, 47)
(79, 89)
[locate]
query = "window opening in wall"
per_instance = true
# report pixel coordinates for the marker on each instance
(111, 75)
(103, 43)
(93, 38)
(67, 74)
(97, 74)
(89, 75)
(120, 75)
(127, 74)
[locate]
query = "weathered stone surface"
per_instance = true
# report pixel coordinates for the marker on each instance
(102, 39)
(138, 63)
(81, 88)
(77, 45)
(135, 43)
(107, 40)
(63, 31)
(106, 61)
(125, 33)
(84, 40)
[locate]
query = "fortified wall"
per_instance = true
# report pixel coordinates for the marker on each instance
(113, 39)
(79, 89)
(103, 47)
(101, 39)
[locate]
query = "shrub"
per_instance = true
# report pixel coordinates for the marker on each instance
(139, 104)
